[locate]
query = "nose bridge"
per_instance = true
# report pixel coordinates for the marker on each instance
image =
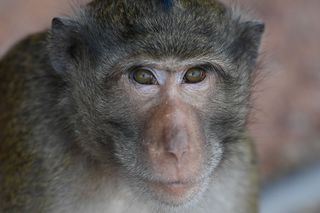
(175, 115)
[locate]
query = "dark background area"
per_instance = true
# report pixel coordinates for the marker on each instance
(285, 121)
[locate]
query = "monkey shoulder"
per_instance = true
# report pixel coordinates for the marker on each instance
(21, 170)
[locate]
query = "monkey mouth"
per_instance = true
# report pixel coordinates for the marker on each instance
(176, 188)
(174, 193)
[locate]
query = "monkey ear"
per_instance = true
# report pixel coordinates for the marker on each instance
(253, 30)
(64, 44)
(248, 39)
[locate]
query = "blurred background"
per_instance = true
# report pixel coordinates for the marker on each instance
(285, 121)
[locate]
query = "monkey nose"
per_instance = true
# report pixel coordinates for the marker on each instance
(176, 143)
(177, 151)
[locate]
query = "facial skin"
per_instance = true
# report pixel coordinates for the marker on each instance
(164, 146)
(171, 106)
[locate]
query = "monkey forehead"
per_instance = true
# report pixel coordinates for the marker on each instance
(190, 28)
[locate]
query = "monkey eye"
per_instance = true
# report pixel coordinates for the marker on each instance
(143, 76)
(194, 75)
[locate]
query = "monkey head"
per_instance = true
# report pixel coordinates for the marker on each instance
(159, 88)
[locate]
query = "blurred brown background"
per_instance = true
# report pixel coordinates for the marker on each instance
(286, 120)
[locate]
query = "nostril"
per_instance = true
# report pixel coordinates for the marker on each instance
(177, 151)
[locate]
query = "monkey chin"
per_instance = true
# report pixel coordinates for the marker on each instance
(175, 194)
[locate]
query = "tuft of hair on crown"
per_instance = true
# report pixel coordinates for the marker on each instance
(167, 4)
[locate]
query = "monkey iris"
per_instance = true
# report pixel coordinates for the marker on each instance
(195, 75)
(144, 76)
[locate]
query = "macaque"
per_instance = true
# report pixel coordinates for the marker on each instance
(133, 106)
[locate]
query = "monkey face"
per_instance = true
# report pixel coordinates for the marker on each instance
(160, 94)
(159, 121)
(170, 98)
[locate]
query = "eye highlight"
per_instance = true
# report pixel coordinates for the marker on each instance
(143, 76)
(194, 75)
